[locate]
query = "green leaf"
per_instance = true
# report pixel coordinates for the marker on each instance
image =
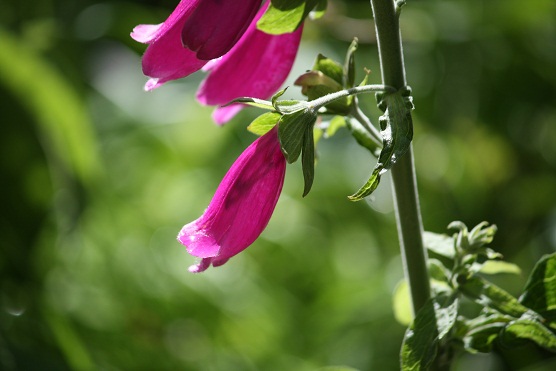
(540, 290)
(349, 65)
(264, 123)
(335, 124)
(481, 338)
(330, 68)
(434, 321)
(438, 271)
(529, 329)
(285, 16)
(363, 137)
(254, 102)
(308, 159)
(292, 129)
(490, 295)
(440, 244)
(319, 10)
(397, 132)
(315, 78)
(497, 267)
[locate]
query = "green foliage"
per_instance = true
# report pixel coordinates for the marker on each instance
(503, 321)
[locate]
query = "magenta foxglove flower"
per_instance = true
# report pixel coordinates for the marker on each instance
(241, 207)
(255, 67)
(195, 32)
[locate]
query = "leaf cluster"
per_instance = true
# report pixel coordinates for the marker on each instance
(457, 270)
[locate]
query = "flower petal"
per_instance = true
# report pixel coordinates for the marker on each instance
(255, 67)
(216, 25)
(165, 58)
(241, 206)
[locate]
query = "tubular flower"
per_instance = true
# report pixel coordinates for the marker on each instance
(255, 67)
(195, 32)
(241, 206)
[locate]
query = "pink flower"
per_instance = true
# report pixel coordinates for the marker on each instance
(207, 28)
(255, 67)
(241, 206)
(252, 63)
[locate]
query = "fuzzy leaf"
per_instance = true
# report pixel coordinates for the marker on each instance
(397, 132)
(432, 323)
(540, 290)
(285, 16)
(530, 329)
(264, 123)
(440, 244)
(490, 295)
(363, 137)
(292, 129)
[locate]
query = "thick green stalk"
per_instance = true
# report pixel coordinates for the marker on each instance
(406, 199)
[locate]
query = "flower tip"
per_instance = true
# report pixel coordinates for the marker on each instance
(152, 84)
(201, 267)
(145, 33)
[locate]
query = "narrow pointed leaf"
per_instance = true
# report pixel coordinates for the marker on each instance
(253, 102)
(308, 159)
(349, 65)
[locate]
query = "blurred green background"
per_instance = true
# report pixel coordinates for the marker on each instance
(97, 178)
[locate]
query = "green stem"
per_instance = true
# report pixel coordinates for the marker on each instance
(406, 199)
(357, 114)
(323, 101)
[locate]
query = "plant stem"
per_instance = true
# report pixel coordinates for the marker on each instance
(406, 198)
(358, 115)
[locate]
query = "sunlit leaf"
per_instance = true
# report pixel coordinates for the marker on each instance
(440, 244)
(432, 323)
(285, 16)
(264, 123)
(540, 290)
(335, 124)
(498, 266)
(530, 329)
(490, 295)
